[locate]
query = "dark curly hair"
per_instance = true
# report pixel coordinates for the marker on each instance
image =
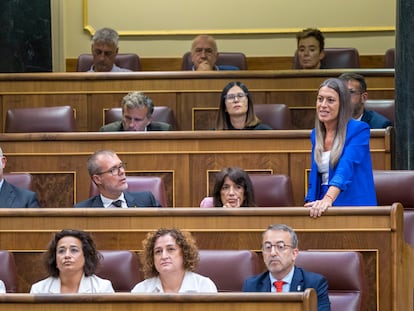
(91, 255)
(239, 177)
(183, 239)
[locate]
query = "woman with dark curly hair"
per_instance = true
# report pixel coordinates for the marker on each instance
(168, 260)
(71, 261)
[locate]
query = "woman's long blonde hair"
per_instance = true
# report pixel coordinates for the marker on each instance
(344, 114)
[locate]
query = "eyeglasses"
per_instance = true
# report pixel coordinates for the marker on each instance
(232, 97)
(114, 170)
(279, 246)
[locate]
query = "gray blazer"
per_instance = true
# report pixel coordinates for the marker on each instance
(116, 126)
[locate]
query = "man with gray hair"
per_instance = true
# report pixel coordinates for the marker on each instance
(280, 249)
(104, 51)
(108, 173)
(137, 110)
(12, 196)
(204, 55)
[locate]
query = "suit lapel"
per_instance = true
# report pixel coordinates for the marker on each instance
(297, 284)
(7, 195)
(130, 200)
(97, 202)
(264, 285)
(85, 285)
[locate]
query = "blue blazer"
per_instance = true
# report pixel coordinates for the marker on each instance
(133, 199)
(375, 120)
(353, 173)
(12, 196)
(301, 280)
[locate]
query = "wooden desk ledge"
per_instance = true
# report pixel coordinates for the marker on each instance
(145, 302)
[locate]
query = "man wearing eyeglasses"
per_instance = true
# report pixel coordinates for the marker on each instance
(280, 249)
(358, 89)
(204, 55)
(107, 172)
(104, 51)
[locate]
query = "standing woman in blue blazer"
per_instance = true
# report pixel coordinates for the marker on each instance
(341, 167)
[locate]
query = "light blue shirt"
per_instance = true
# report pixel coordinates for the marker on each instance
(287, 279)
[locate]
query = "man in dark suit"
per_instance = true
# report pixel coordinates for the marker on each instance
(358, 89)
(12, 196)
(108, 173)
(280, 249)
(137, 110)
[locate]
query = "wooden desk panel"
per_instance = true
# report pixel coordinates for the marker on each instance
(184, 92)
(374, 231)
(183, 159)
(306, 301)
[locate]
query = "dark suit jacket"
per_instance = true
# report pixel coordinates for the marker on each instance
(116, 126)
(301, 280)
(375, 120)
(133, 199)
(12, 196)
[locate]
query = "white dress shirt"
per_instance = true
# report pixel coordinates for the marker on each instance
(88, 285)
(192, 283)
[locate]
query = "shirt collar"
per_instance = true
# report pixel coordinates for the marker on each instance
(107, 203)
(287, 279)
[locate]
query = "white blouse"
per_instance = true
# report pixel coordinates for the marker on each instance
(323, 168)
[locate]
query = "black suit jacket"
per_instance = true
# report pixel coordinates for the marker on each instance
(116, 126)
(301, 280)
(12, 196)
(133, 199)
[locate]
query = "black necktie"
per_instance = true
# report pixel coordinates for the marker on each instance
(117, 203)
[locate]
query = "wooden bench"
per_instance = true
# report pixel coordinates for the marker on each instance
(186, 160)
(193, 96)
(375, 232)
(305, 301)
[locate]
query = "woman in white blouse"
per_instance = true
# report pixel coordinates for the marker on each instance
(169, 258)
(71, 261)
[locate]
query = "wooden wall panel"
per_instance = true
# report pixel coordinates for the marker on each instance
(189, 94)
(183, 159)
(377, 232)
(253, 63)
(305, 301)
